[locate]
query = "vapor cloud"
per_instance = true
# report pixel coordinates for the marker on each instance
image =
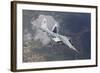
(40, 35)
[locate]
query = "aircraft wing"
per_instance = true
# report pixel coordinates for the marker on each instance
(66, 41)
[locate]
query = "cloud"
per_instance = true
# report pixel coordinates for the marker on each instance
(40, 35)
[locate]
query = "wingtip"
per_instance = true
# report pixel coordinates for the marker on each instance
(77, 51)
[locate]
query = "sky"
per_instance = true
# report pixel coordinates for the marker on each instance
(77, 26)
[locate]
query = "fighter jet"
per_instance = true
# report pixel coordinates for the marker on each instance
(54, 34)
